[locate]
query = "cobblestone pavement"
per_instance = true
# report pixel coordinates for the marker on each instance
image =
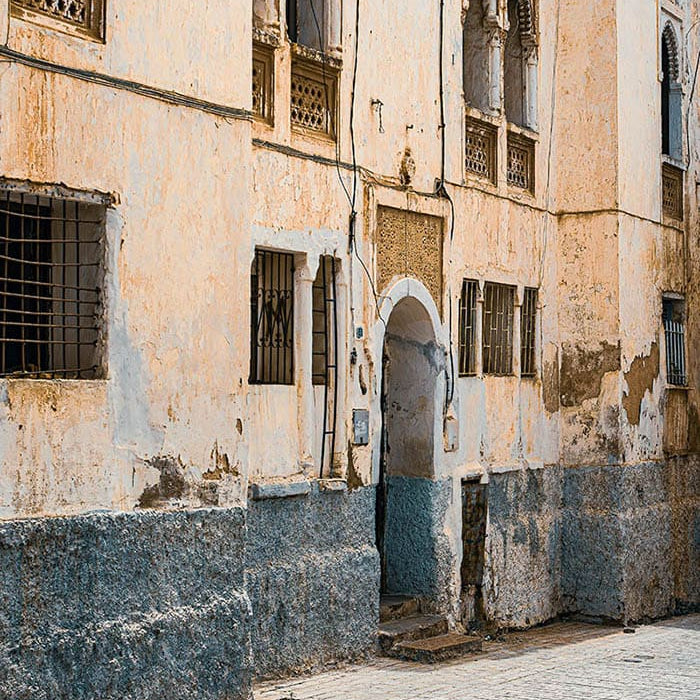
(563, 661)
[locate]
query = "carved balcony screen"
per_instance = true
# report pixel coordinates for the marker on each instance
(521, 162)
(313, 97)
(81, 17)
(672, 192)
(481, 146)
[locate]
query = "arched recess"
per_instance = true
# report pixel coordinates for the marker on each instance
(520, 65)
(671, 95)
(408, 513)
(479, 28)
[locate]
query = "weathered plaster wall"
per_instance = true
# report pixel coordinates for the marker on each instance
(312, 574)
(125, 606)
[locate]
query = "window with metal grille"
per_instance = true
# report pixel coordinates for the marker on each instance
(674, 328)
(272, 318)
(323, 326)
(497, 333)
(467, 328)
(528, 320)
(51, 271)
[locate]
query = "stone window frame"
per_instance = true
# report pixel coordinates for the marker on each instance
(671, 92)
(93, 29)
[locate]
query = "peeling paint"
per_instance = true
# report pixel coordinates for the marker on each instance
(583, 369)
(640, 380)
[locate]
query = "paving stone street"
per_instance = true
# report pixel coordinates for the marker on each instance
(562, 661)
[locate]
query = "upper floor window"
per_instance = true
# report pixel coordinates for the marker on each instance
(272, 318)
(51, 271)
(467, 328)
(528, 333)
(520, 65)
(671, 95)
(479, 27)
(81, 17)
(307, 23)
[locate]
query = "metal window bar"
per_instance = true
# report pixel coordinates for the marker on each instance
(325, 353)
(497, 337)
(467, 328)
(674, 327)
(528, 320)
(51, 264)
(272, 318)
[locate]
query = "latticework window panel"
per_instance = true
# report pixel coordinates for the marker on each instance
(521, 162)
(312, 98)
(262, 87)
(83, 17)
(672, 192)
(480, 149)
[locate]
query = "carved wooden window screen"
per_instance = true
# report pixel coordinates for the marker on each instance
(672, 192)
(521, 162)
(528, 322)
(313, 97)
(51, 272)
(497, 329)
(467, 328)
(83, 17)
(481, 147)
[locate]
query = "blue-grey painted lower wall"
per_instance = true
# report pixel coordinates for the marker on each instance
(523, 551)
(313, 579)
(128, 606)
(630, 545)
(417, 551)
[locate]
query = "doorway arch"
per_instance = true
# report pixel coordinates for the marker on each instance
(413, 367)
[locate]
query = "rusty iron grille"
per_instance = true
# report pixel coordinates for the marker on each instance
(521, 162)
(272, 318)
(481, 146)
(497, 334)
(528, 320)
(467, 328)
(312, 98)
(674, 327)
(85, 15)
(262, 82)
(51, 268)
(672, 192)
(325, 353)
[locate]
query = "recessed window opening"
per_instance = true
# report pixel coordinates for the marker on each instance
(514, 78)
(467, 328)
(306, 23)
(51, 275)
(528, 321)
(476, 55)
(497, 329)
(674, 330)
(272, 318)
(671, 96)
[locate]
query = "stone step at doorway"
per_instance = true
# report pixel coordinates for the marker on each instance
(405, 633)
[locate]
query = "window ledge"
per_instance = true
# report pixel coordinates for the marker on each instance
(316, 56)
(263, 492)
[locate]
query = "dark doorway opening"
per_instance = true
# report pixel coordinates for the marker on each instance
(474, 505)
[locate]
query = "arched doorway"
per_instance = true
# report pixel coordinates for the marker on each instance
(412, 365)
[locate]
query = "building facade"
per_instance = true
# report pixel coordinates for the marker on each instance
(419, 313)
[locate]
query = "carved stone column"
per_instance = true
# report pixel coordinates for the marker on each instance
(531, 93)
(496, 44)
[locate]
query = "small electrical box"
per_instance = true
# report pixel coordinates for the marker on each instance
(360, 426)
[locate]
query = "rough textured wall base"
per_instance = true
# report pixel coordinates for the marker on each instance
(522, 568)
(630, 546)
(313, 579)
(128, 606)
(418, 554)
